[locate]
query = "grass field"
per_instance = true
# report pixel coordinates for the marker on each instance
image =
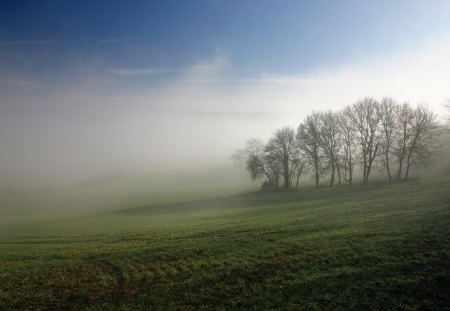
(376, 247)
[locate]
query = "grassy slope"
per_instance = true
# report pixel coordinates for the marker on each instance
(374, 247)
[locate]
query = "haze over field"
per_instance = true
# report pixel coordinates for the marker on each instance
(88, 92)
(224, 155)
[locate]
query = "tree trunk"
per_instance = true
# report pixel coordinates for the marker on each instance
(408, 165)
(332, 174)
(287, 181)
(406, 173)
(388, 169)
(400, 166)
(369, 168)
(365, 171)
(339, 174)
(350, 171)
(316, 165)
(298, 176)
(317, 176)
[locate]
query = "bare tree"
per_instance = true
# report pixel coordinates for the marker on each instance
(405, 115)
(423, 133)
(274, 169)
(308, 139)
(329, 141)
(348, 139)
(366, 117)
(282, 146)
(388, 110)
(297, 167)
(368, 132)
(258, 163)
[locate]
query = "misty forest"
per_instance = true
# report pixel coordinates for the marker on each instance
(224, 155)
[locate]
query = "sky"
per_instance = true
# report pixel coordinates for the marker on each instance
(87, 87)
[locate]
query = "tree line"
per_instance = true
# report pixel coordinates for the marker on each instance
(367, 135)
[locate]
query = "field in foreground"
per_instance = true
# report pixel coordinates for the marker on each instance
(375, 247)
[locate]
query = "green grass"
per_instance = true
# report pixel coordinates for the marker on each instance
(376, 247)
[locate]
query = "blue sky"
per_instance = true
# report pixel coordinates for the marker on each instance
(90, 86)
(287, 37)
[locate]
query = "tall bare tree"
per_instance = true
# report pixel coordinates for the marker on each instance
(308, 139)
(366, 117)
(282, 146)
(423, 134)
(348, 139)
(388, 110)
(405, 115)
(329, 140)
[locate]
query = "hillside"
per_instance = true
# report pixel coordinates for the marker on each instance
(365, 247)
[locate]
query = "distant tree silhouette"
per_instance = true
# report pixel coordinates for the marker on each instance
(330, 141)
(388, 109)
(366, 118)
(258, 162)
(282, 148)
(374, 134)
(423, 131)
(308, 139)
(348, 140)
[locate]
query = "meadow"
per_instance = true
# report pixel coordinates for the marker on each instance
(374, 247)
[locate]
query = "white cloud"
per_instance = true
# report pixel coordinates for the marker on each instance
(420, 75)
(204, 104)
(202, 112)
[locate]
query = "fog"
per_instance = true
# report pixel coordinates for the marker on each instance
(88, 122)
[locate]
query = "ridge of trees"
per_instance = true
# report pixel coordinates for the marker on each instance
(368, 134)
